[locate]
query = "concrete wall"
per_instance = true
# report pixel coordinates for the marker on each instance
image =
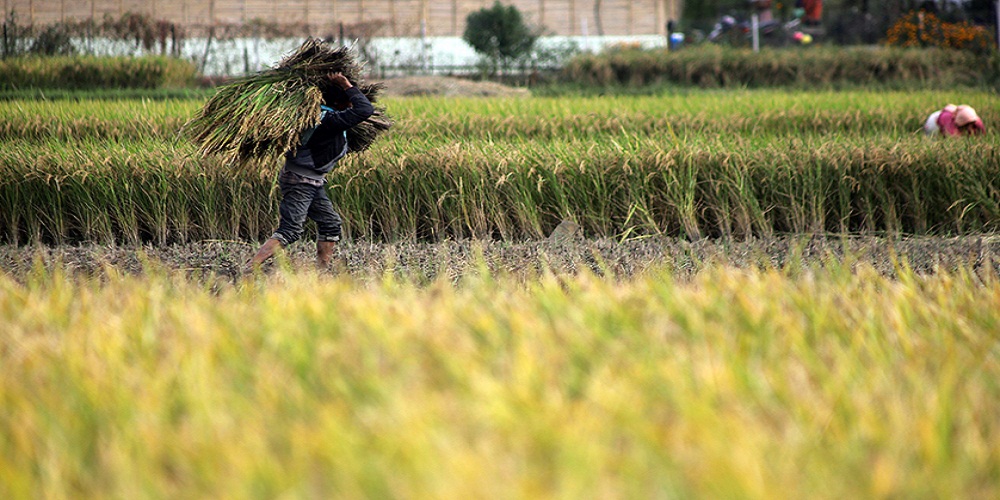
(398, 17)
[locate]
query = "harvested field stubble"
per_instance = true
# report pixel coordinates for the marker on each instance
(451, 260)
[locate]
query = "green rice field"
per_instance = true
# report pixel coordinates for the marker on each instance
(693, 164)
(772, 294)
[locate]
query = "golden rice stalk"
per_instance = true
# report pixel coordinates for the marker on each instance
(257, 118)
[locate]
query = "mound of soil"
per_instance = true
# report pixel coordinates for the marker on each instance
(449, 86)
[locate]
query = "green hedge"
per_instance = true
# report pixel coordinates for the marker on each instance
(716, 66)
(88, 72)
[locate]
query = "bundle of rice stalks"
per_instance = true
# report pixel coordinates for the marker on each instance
(259, 117)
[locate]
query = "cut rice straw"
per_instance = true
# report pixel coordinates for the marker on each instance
(257, 118)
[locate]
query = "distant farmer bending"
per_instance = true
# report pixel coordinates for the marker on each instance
(303, 177)
(954, 120)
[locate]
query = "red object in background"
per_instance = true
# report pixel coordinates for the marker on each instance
(814, 10)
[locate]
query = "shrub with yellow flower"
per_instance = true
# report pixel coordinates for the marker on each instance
(923, 29)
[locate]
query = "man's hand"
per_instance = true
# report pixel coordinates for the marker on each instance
(340, 80)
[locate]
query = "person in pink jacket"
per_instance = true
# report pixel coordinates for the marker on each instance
(954, 120)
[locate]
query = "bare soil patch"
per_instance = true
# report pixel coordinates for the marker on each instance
(455, 259)
(449, 86)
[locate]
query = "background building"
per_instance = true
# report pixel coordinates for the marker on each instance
(395, 18)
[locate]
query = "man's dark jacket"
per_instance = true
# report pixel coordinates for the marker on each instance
(328, 142)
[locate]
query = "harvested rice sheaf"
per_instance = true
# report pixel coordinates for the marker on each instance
(257, 118)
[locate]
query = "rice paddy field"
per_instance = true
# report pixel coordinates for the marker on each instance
(771, 294)
(696, 164)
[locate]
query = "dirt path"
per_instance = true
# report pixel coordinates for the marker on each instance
(427, 261)
(449, 86)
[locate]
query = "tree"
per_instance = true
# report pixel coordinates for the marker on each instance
(499, 34)
(707, 11)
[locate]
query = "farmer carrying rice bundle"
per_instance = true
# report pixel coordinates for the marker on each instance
(313, 110)
(303, 177)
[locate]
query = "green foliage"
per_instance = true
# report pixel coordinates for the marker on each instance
(707, 10)
(499, 34)
(53, 41)
(109, 94)
(822, 67)
(89, 72)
